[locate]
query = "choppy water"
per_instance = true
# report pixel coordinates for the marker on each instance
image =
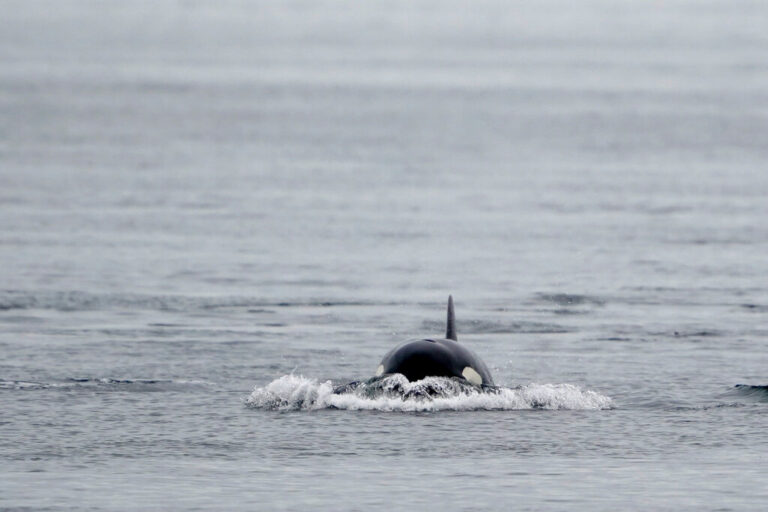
(213, 213)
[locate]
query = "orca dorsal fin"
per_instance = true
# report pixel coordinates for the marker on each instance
(450, 330)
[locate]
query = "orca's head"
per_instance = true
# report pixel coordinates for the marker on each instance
(418, 359)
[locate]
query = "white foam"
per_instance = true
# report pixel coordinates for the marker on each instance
(295, 392)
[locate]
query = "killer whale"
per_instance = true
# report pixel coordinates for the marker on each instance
(436, 357)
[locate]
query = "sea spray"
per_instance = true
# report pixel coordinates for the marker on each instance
(395, 393)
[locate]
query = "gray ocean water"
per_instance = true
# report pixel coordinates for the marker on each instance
(209, 210)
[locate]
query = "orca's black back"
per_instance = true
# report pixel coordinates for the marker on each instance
(418, 359)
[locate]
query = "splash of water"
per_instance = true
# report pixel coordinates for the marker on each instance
(395, 393)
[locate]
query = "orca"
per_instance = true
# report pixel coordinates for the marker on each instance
(436, 357)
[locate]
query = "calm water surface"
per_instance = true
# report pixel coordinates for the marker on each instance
(209, 210)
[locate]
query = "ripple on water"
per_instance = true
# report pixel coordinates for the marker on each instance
(85, 301)
(492, 327)
(105, 385)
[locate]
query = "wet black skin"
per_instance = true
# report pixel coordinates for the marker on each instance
(417, 359)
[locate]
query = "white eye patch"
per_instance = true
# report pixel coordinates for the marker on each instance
(472, 376)
(379, 370)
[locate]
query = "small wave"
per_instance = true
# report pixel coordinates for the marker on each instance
(84, 301)
(20, 384)
(104, 384)
(396, 393)
(701, 333)
(570, 299)
(757, 392)
(757, 308)
(491, 327)
(708, 407)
